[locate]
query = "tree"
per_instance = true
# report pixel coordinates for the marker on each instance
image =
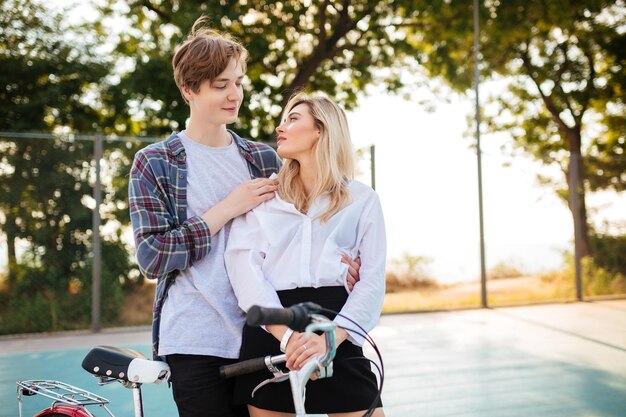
(45, 77)
(339, 47)
(565, 60)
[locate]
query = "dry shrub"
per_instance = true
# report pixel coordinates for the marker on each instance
(505, 270)
(138, 305)
(406, 282)
(408, 273)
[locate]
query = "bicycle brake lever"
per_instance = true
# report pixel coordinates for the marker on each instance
(279, 376)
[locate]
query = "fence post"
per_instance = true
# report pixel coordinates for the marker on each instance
(483, 273)
(97, 251)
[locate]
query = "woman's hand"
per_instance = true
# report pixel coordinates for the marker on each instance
(300, 349)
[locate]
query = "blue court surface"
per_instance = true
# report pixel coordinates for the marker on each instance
(550, 360)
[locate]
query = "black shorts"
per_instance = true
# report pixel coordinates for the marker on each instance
(353, 386)
(198, 389)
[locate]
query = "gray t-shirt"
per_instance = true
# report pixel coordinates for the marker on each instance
(200, 315)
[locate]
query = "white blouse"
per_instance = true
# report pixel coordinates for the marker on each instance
(275, 247)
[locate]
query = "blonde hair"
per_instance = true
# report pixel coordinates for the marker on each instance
(334, 157)
(204, 55)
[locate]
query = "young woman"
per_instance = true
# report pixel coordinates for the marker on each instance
(289, 249)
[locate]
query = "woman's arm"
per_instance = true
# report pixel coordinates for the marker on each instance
(243, 257)
(365, 302)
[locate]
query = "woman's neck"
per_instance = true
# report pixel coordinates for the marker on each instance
(308, 175)
(208, 134)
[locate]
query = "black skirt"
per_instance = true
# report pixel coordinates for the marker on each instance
(353, 386)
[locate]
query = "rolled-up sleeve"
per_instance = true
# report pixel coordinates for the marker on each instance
(162, 244)
(365, 302)
(244, 256)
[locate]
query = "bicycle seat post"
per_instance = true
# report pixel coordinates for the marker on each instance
(137, 400)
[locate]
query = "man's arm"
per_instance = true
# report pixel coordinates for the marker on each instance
(162, 244)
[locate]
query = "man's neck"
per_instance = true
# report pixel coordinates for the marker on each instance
(208, 134)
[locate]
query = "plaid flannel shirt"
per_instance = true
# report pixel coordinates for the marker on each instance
(166, 240)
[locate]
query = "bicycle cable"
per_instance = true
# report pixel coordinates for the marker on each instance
(381, 370)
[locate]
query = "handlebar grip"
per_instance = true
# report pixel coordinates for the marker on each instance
(296, 316)
(241, 368)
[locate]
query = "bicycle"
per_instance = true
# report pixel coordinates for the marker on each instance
(300, 317)
(109, 364)
(132, 369)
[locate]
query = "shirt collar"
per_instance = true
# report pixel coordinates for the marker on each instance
(244, 149)
(175, 145)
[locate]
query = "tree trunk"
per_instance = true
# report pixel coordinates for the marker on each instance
(576, 191)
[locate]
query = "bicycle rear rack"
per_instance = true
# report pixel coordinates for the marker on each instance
(61, 393)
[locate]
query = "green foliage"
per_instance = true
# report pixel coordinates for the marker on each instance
(601, 281)
(334, 46)
(48, 72)
(47, 299)
(566, 60)
(609, 252)
(599, 273)
(44, 70)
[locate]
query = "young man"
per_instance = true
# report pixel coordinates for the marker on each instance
(183, 192)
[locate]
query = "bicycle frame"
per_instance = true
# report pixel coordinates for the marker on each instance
(320, 364)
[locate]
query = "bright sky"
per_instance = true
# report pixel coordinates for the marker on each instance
(426, 176)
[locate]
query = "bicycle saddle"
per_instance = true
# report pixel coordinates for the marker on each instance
(125, 364)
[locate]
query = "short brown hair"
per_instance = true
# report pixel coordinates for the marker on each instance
(204, 55)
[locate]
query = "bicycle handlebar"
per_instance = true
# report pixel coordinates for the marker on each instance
(296, 316)
(249, 366)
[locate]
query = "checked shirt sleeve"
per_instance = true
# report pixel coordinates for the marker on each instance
(163, 245)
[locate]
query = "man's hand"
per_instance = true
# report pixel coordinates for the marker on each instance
(354, 265)
(249, 195)
(241, 200)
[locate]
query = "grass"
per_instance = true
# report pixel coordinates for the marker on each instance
(502, 291)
